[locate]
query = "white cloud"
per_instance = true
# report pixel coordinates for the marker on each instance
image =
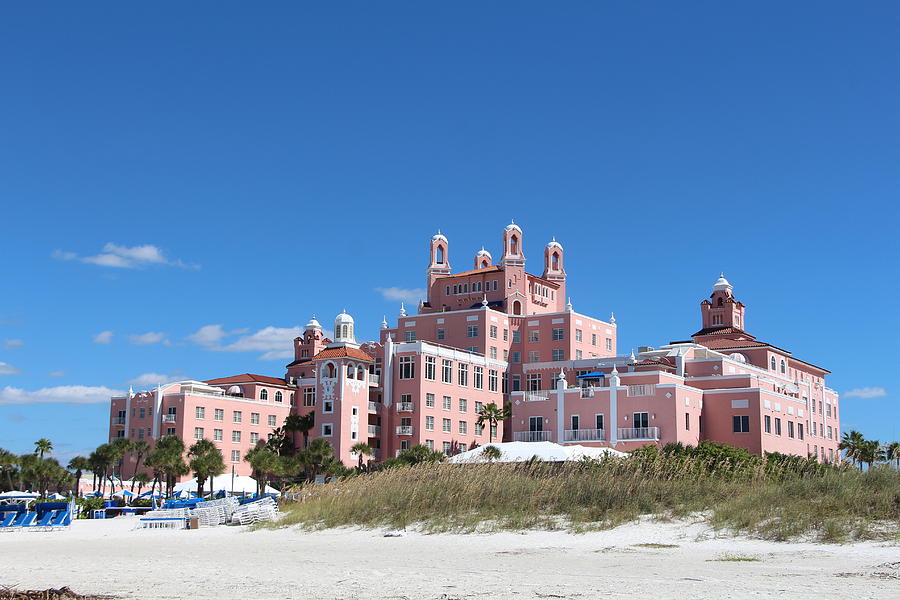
(9, 344)
(402, 294)
(866, 392)
(267, 339)
(125, 257)
(145, 339)
(277, 355)
(211, 335)
(104, 337)
(151, 379)
(8, 369)
(57, 373)
(70, 394)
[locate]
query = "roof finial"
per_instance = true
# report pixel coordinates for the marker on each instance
(553, 238)
(612, 318)
(569, 304)
(384, 324)
(632, 355)
(484, 301)
(402, 310)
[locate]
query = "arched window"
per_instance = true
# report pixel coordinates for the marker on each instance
(440, 255)
(782, 366)
(517, 307)
(513, 245)
(351, 371)
(359, 372)
(773, 363)
(483, 264)
(554, 261)
(279, 397)
(264, 394)
(330, 371)
(720, 302)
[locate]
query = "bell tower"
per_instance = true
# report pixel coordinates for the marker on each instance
(722, 310)
(513, 255)
(439, 260)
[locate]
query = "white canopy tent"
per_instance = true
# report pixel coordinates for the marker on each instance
(525, 451)
(241, 485)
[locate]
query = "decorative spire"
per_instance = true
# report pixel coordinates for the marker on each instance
(384, 324)
(569, 304)
(562, 374)
(633, 359)
(131, 391)
(402, 310)
(612, 318)
(615, 371)
(484, 301)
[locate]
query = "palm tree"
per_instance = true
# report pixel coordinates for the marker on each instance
(142, 479)
(168, 457)
(120, 446)
(8, 462)
(852, 443)
(206, 462)
(892, 453)
(871, 452)
(363, 450)
(318, 457)
(79, 464)
(102, 461)
(301, 423)
(492, 414)
(43, 445)
(491, 453)
(139, 447)
(263, 461)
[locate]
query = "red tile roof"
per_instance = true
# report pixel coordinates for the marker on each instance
(247, 378)
(473, 272)
(723, 330)
(343, 352)
(731, 344)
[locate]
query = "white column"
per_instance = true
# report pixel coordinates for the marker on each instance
(157, 411)
(560, 406)
(387, 372)
(613, 424)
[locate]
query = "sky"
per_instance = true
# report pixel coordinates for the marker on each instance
(182, 185)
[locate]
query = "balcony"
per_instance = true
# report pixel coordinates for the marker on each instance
(375, 379)
(532, 436)
(584, 435)
(405, 407)
(118, 420)
(638, 433)
(374, 430)
(168, 418)
(587, 392)
(374, 406)
(404, 430)
(537, 395)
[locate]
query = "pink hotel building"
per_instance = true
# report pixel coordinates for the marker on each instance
(497, 334)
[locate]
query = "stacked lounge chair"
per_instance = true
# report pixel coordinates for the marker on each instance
(214, 512)
(44, 516)
(174, 518)
(264, 509)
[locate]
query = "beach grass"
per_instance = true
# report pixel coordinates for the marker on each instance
(770, 501)
(735, 558)
(656, 546)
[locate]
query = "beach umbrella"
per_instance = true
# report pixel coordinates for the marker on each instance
(56, 496)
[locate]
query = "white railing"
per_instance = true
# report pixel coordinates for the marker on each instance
(584, 435)
(537, 395)
(404, 430)
(405, 407)
(532, 436)
(638, 433)
(118, 420)
(168, 418)
(374, 406)
(587, 392)
(374, 430)
(374, 379)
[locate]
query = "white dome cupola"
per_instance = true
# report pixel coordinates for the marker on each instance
(438, 237)
(721, 284)
(343, 329)
(313, 325)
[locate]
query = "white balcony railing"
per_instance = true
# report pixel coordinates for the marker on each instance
(638, 433)
(405, 407)
(118, 420)
(584, 435)
(404, 430)
(374, 430)
(374, 406)
(532, 436)
(374, 379)
(587, 392)
(168, 418)
(537, 395)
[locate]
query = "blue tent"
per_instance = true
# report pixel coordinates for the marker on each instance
(592, 375)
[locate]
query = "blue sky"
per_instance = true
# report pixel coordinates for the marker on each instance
(197, 179)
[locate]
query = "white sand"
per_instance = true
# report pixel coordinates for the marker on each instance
(230, 562)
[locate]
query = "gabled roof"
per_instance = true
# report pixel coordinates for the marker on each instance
(343, 352)
(247, 378)
(298, 362)
(728, 344)
(724, 330)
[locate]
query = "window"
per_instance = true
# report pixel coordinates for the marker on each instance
(506, 335)
(534, 335)
(463, 405)
(814, 428)
(558, 355)
(430, 368)
(198, 433)
(409, 336)
(593, 339)
(479, 428)
(493, 332)
(217, 435)
(429, 400)
(578, 355)
(446, 425)
(462, 374)
(264, 394)
(829, 432)
(429, 444)
(173, 410)
(598, 422)
(534, 356)
(448, 402)
(200, 412)
(220, 414)
(407, 367)
(478, 407)
(534, 381)
(782, 365)
(641, 420)
(254, 418)
(473, 349)
(517, 357)
(446, 448)
(773, 363)
(440, 333)
(800, 430)
(478, 377)
(429, 423)
(790, 425)
(740, 424)
(777, 426)
(576, 422)
(141, 412)
(493, 352)
(447, 371)
(492, 380)
(235, 456)
(687, 421)
(279, 397)
(559, 334)
(236, 437)
(254, 438)
(517, 336)
(271, 421)
(577, 335)
(327, 430)
(236, 416)
(170, 431)
(472, 331)
(463, 428)
(640, 390)
(767, 423)
(309, 396)
(609, 344)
